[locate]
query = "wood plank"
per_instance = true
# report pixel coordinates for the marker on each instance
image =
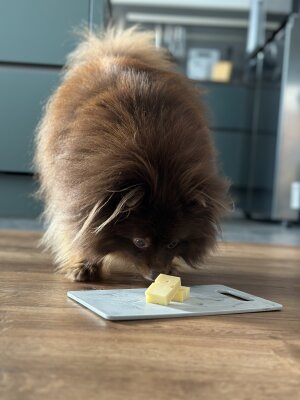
(50, 347)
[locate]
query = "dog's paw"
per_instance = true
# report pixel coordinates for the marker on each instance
(82, 272)
(87, 273)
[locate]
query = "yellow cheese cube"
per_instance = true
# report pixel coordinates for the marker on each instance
(169, 279)
(163, 289)
(182, 294)
(160, 293)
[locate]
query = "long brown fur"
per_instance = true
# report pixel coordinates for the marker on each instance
(123, 151)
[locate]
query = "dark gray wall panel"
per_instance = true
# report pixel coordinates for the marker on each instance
(23, 93)
(16, 199)
(263, 168)
(39, 31)
(229, 106)
(233, 152)
(100, 13)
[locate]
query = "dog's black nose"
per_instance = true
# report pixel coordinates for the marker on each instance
(153, 275)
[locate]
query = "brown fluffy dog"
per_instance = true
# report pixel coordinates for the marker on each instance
(126, 161)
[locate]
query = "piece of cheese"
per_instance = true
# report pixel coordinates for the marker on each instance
(166, 288)
(161, 292)
(182, 294)
(169, 279)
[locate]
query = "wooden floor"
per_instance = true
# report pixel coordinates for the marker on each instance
(51, 348)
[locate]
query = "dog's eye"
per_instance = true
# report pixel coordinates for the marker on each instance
(141, 243)
(172, 244)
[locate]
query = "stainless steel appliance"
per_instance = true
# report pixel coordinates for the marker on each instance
(274, 176)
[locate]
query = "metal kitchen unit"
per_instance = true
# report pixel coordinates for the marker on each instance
(274, 176)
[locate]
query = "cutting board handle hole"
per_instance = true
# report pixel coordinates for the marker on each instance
(234, 296)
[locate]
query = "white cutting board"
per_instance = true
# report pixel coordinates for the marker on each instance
(126, 304)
